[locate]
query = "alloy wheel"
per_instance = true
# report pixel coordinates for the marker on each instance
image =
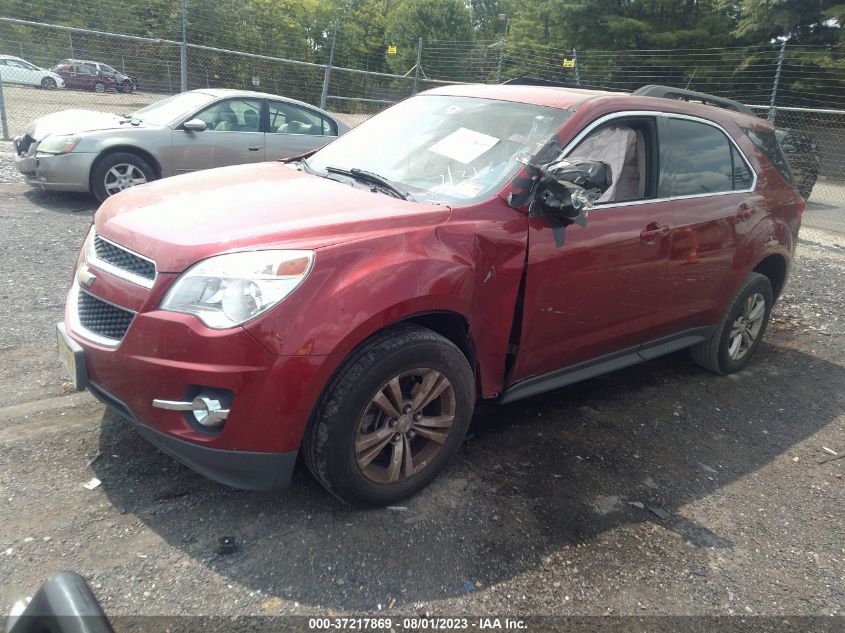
(746, 327)
(123, 176)
(405, 426)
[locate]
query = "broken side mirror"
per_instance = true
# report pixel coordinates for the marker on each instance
(568, 187)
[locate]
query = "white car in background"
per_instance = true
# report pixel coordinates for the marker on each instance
(14, 70)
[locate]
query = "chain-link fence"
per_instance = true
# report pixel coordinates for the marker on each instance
(801, 89)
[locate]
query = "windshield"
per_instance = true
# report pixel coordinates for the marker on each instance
(173, 108)
(445, 149)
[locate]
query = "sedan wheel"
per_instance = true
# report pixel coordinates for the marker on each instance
(48, 83)
(99, 87)
(115, 172)
(405, 425)
(122, 176)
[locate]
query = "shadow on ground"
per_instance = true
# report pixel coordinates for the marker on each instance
(62, 202)
(534, 476)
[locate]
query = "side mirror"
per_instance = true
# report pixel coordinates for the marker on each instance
(570, 186)
(194, 125)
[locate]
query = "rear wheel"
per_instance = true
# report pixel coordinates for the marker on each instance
(117, 172)
(738, 334)
(48, 83)
(392, 418)
(99, 87)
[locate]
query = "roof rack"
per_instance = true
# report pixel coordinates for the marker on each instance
(681, 94)
(532, 81)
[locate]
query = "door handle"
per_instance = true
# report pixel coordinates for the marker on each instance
(653, 231)
(254, 148)
(744, 212)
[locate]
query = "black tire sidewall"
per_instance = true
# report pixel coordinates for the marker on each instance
(48, 83)
(103, 164)
(346, 407)
(759, 284)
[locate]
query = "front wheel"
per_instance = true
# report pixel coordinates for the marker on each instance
(392, 417)
(738, 334)
(116, 172)
(48, 83)
(99, 87)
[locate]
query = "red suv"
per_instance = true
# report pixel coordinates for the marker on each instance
(471, 241)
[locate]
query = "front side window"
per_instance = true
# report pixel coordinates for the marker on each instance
(624, 145)
(445, 149)
(698, 159)
(233, 115)
(286, 118)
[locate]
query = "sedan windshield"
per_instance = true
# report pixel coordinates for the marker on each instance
(173, 108)
(444, 149)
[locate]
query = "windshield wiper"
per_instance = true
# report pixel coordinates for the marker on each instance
(373, 178)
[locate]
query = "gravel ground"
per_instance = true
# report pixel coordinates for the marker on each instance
(657, 490)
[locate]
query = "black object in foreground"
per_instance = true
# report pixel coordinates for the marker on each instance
(63, 604)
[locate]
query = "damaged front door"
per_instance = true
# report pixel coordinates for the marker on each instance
(597, 293)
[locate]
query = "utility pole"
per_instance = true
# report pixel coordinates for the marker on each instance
(577, 68)
(3, 122)
(328, 73)
(183, 49)
(772, 101)
(500, 63)
(418, 67)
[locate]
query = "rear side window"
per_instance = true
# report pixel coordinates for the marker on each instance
(699, 159)
(741, 171)
(768, 143)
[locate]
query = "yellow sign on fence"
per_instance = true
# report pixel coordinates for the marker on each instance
(568, 63)
(391, 50)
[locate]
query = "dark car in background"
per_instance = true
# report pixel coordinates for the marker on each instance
(91, 75)
(801, 150)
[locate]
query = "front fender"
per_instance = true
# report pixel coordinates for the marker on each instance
(470, 266)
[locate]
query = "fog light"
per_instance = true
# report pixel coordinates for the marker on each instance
(209, 412)
(206, 408)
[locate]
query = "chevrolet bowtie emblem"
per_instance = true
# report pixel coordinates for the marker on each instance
(84, 276)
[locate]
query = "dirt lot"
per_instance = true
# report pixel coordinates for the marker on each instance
(660, 489)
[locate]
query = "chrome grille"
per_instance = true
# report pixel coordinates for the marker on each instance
(102, 318)
(123, 259)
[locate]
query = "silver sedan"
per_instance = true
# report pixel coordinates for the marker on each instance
(83, 150)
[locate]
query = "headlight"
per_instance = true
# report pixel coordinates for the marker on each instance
(228, 290)
(88, 250)
(57, 144)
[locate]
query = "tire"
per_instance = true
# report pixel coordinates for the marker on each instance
(99, 87)
(122, 162)
(126, 86)
(720, 353)
(48, 83)
(348, 409)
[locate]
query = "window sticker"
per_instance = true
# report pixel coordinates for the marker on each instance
(464, 145)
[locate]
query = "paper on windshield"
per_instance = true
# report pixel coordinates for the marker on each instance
(463, 145)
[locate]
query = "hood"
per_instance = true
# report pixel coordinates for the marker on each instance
(73, 122)
(181, 220)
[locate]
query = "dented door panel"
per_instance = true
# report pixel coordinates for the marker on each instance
(596, 294)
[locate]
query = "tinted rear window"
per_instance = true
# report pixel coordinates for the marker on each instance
(770, 146)
(701, 159)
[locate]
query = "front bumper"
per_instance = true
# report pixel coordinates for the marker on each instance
(248, 470)
(60, 172)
